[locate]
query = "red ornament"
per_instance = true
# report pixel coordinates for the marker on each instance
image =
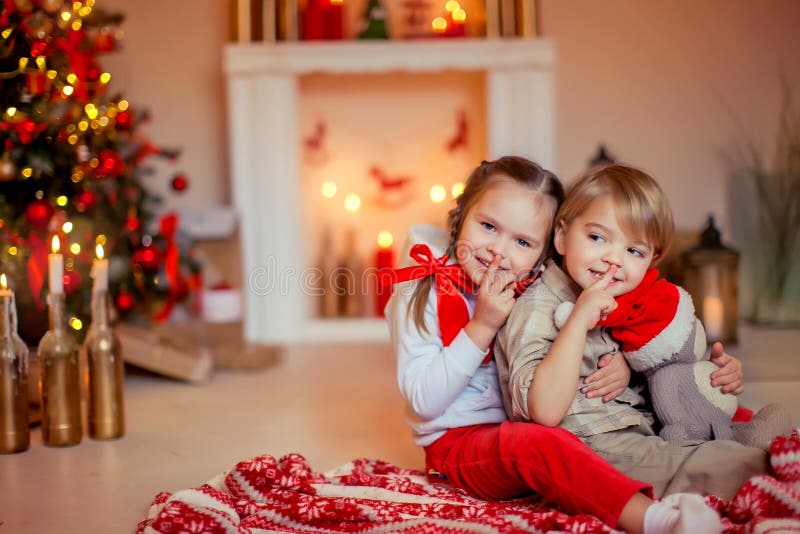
(148, 257)
(124, 120)
(86, 201)
(125, 303)
(179, 183)
(38, 213)
(40, 47)
(111, 164)
(72, 282)
(132, 224)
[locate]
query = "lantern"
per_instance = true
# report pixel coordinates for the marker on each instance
(711, 277)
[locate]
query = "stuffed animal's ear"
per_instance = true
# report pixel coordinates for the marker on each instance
(562, 313)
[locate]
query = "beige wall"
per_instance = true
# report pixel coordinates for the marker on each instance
(171, 64)
(655, 80)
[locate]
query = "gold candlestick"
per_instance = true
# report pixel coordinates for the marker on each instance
(106, 373)
(61, 394)
(14, 429)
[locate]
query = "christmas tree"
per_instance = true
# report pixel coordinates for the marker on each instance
(73, 163)
(374, 23)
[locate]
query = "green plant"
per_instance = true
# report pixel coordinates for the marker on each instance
(767, 214)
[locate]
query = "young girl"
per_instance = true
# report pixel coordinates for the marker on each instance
(442, 329)
(613, 226)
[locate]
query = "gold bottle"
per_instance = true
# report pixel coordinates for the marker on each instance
(14, 429)
(106, 373)
(61, 393)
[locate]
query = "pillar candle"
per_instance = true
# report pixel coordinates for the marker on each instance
(333, 20)
(55, 268)
(384, 261)
(713, 313)
(99, 271)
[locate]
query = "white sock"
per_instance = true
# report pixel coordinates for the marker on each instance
(681, 513)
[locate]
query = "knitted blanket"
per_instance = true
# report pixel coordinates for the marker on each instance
(371, 496)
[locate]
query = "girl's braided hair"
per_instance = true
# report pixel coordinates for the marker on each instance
(520, 170)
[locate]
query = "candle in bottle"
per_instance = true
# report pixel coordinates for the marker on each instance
(99, 270)
(55, 267)
(14, 429)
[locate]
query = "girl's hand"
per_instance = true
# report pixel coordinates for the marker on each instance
(595, 302)
(495, 296)
(610, 380)
(730, 375)
(495, 300)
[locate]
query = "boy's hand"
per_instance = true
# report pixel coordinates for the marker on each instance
(610, 380)
(730, 375)
(595, 302)
(495, 296)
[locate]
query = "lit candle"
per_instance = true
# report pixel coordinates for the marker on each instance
(14, 430)
(712, 318)
(333, 20)
(384, 261)
(4, 291)
(55, 268)
(99, 271)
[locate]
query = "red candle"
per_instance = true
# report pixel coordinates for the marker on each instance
(384, 260)
(333, 20)
(313, 20)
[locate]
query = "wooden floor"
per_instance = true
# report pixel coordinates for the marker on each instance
(329, 403)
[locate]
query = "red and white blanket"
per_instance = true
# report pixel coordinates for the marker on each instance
(370, 496)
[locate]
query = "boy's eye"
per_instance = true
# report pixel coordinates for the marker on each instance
(488, 226)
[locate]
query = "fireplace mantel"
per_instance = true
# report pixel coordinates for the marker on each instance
(264, 137)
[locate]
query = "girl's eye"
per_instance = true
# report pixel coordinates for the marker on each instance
(488, 226)
(523, 243)
(597, 238)
(636, 252)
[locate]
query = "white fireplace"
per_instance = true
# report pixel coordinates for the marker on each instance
(264, 102)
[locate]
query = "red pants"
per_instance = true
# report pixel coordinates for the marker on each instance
(509, 460)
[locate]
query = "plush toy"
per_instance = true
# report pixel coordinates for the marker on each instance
(661, 337)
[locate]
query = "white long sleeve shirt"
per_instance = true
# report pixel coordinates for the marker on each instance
(444, 387)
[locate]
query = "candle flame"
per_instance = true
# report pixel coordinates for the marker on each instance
(3, 281)
(439, 24)
(438, 193)
(55, 245)
(385, 239)
(98, 250)
(352, 203)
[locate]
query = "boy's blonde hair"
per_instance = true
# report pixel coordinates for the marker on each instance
(642, 206)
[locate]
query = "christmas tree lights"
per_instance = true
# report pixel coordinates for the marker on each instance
(73, 164)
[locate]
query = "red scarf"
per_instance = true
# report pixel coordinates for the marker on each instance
(452, 308)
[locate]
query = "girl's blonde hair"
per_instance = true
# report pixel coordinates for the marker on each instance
(520, 170)
(642, 206)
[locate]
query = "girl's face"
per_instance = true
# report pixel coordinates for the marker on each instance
(510, 220)
(594, 241)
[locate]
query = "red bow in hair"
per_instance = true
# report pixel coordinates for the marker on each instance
(453, 312)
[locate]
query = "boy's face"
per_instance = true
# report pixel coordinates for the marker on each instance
(594, 241)
(510, 220)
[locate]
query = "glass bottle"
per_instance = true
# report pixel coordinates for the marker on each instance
(61, 394)
(14, 429)
(106, 373)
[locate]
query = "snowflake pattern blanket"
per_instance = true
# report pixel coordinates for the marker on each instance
(370, 496)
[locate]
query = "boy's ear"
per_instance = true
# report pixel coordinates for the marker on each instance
(560, 237)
